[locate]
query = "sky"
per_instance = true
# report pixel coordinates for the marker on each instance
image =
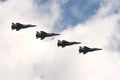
(95, 23)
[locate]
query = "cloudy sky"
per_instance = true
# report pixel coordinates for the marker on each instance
(95, 23)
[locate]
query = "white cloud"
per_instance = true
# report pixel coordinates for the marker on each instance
(22, 57)
(101, 65)
(20, 50)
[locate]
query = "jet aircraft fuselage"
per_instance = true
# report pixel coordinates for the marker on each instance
(19, 26)
(86, 49)
(43, 34)
(65, 43)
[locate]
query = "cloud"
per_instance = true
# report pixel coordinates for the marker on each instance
(22, 57)
(18, 55)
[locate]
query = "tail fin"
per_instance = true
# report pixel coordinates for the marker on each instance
(80, 49)
(59, 42)
(13, 26)
(37, 34)
(13, 23)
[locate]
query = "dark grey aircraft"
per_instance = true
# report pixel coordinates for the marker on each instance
(86, 49)
(65, 43)
(19, 26)
(43, 34)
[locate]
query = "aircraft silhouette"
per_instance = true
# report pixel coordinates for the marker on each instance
(43, 34)
(65, 43)
(86, 49)
(19, 26)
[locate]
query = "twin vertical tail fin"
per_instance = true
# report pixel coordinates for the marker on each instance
(13, 26)
(37, 34)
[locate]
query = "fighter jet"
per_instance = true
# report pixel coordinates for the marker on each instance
(86, 49)
(43, 34)
(65, 43)
(19, 26)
